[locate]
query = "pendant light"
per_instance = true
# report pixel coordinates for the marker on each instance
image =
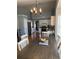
(35, 10)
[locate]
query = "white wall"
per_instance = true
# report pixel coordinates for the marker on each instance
(58, 26)
(26, 26)
(58, 19)
(22, 24)
(20, 21)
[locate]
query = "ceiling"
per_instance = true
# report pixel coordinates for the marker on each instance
(28, 2)
(46, 5)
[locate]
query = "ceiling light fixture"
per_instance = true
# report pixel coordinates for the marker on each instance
(35, 10)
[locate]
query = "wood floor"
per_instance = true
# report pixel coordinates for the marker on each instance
(40, 52)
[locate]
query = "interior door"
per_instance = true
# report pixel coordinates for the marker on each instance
(29, 28)
(37, 25)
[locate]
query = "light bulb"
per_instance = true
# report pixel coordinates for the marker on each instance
(34, 8)
(31, 10)
(36, 12)
(40, 10)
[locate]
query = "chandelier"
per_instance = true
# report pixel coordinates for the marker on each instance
(36, 10)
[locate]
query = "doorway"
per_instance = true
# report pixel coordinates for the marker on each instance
(29, 28)
(37, 25)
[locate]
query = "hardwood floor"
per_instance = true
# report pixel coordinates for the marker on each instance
(40, 52)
